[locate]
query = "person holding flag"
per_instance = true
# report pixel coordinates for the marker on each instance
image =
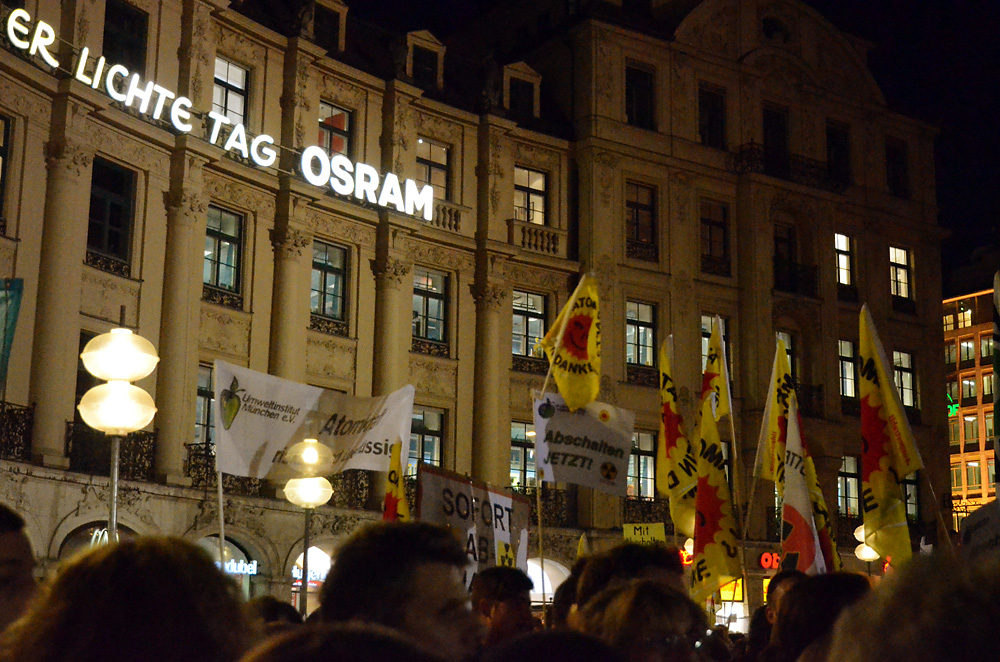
(676, 462)
(395, 508)
(807, 542)
(573, 347)
(889, 452)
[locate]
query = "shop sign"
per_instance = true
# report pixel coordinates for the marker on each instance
(234, 567)
(315, 576)
(343, 176)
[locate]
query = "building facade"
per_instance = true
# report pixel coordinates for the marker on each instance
(703, 158)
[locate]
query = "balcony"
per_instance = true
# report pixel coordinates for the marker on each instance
(558, 505)
(716, 266)
(810, 397)
(751, 158)
(536, 238)
(15, 431)
(642, 375)
(89, 452)
(200, 468)
(643, 510)
(641, 250)
(531, 364)
(846, 525)
(795, 278)
(448, 216)
(351, 489)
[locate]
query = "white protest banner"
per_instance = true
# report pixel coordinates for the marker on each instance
(588, 447)
(361, 431)
(493, 525)
(256, 416)
(980, 534)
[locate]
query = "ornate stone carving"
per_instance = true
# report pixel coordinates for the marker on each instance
(103, 295)
(434, 377)
(25, 102)
(289, 243)
(185, 204)
(132, 152)
(536, 279)
(495, 169)
(537, 157)
(237, 193)
(235, 512)
(224, 331)
(438, 128)
(443, 257)
(391, 270)
(331, 357)
(239, 46)
(72, 156)
(492, 296)
(342, 93)
(341, 229)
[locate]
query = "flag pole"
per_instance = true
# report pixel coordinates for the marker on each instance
(222, 524)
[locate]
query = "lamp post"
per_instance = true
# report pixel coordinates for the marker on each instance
(117, 407)
(863, 551)
(308, 457)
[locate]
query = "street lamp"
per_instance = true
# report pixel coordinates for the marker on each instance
(309, 457)
(866, 554)
(117, 407)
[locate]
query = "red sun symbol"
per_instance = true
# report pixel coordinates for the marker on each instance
(876, 443)
(708, 515)
(671, 426)
(577, 333)
(706, 382)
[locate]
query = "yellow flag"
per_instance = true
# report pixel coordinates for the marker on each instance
(573, 347)
(716, 376)
(395, 507)
(889, 453)
(676, 463)
(716, 553)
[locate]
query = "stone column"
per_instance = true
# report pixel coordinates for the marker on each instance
(290, 302)
(393, 301)
(490, 412)
(177, 371)
(64, 246)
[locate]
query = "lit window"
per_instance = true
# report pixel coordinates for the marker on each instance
(911, 496)
(969, 388)
(426, 434)
(522, 454)
(843, 245)
(899, 273)
(988, 425)
(334, 129)
(986, 347)
(967, 350)
(964, 318)
(956, 478)
(529, 195)
(229, 96)
(706, 335)
(432, 166)
(528, 323)
(641, 465)
(223, 242)
(429, 296)
(953, 391)
(954, 435)
(950, 355)
(949, 322)
(987, 386)
(973, 476)
(905, 378)
(640, 333)
(848, 369)
(204, 419)
(329, 276)
(970, 430)
(848, 486)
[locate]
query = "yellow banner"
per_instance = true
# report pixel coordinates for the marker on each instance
(645, 534)
(716, 376)
(395, 507)
(716, 552)
(573, 347)
(676, 463)
(889, 452)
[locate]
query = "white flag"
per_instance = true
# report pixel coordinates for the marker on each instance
(799, 541)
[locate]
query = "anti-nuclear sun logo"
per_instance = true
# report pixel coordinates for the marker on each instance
(230, 402)
(576, 336)
(609, 471)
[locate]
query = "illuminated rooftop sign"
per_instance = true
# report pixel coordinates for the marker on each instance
(340, 174)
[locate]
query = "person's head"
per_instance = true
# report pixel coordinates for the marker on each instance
(342, 642)
(932, 608)
(408, 576)
(273, 615)
(552, 646)
(564, 597)
(809, 610)
(776, 589)
(627, 562)
(646, 621)
(501, 596)
(17, 562)
(154, 598)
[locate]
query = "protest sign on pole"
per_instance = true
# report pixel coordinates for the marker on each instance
(491, 525)
(589, 446)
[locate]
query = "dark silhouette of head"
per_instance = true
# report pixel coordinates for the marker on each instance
(342, 642)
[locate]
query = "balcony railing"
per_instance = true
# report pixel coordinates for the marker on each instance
(751, 158)
(795, 278)
(642, 375)
(648, 510)
(351, 489)
(448, 216)
(810, 397)
(641, 250)
(535, 365)
(89, 452)
(716, 266)
(536, 238)
(559, 506)
(846, 525)
(15, 431)
(200, 468)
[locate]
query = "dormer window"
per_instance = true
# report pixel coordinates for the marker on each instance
(424, 61)
(425, 67)
(329, 22)
(520, 91)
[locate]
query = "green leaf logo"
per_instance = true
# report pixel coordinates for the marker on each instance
(230, 403)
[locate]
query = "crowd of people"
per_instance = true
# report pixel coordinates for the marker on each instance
(396, 592)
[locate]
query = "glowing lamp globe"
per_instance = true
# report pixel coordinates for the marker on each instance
(309, 458)
(308, 492)
(859, 533)
(866, 553)
(117, 408)
(119, 354)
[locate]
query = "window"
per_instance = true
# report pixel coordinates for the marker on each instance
(790, 351)
(971, 432)
(844, 247)
(329, 278)
(973, 476)
(640, 333)
(952, 391)
(991, 474)
(326, 27)
(987, 387)
(529, 195)
(838, 153)
(985, 347)
(776, 155)
(848, 369)
(223, 243)
(899, 273)
(112, 189)
(5, 127)
(964, 318)
(712, 117)
(426, 433)
(522, 99)
(967, 351)
(949, 322)
(950, 355)
(640, 213)
(849, 486)
(784, 244)
(432, 166)
(706, 335)
(641, 463)
(425, 68)
(334, 129)
(639, 110)
(522, 454)
(956, 478)
(910, 496)
(204, 418)
(714, 238)
(897, 176)
(429, 292)
(905, 379)
(988, 425)
(125, 35)
(954, 436)
(229, 97)
(528, 323)
(969, 388)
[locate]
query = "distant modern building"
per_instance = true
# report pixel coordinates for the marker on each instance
(968, 355)
(724, 157)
